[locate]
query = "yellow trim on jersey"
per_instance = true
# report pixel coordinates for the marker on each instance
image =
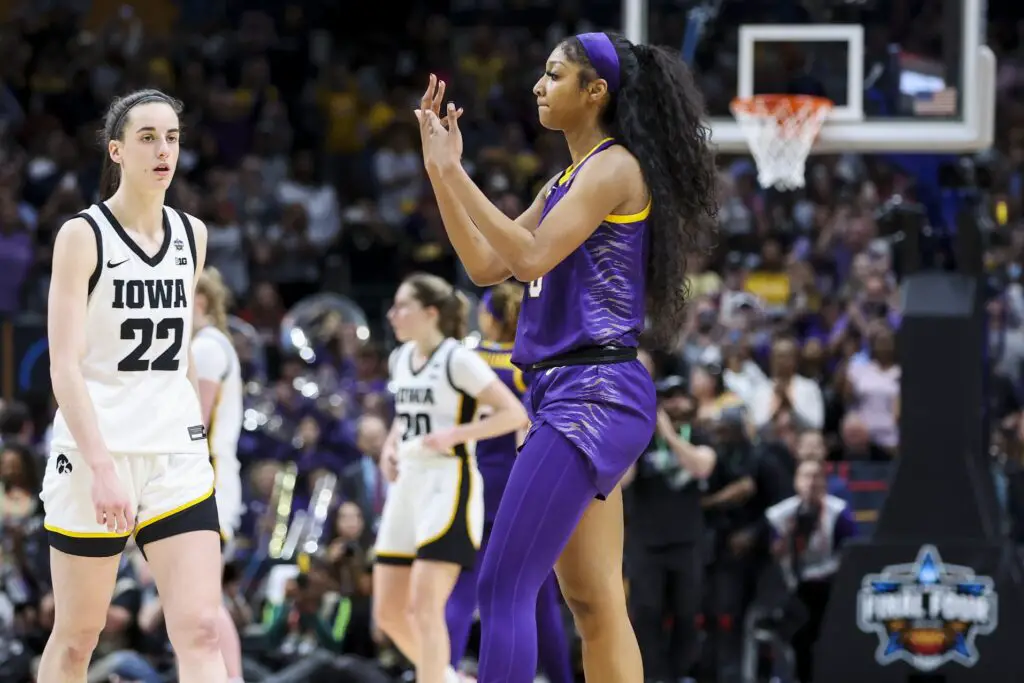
(499, 357)
(86, 534)
(499, 360)
(395, 556)
(451, 517)
(180, 508)
(564, 178)
(629, 217)
(519, 380)
(464, 414)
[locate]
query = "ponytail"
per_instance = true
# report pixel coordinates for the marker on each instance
(451, 304)
(658, 114)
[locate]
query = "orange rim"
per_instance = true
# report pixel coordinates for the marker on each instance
(782, 107)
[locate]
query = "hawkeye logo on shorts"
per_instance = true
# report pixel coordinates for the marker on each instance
(63, 464)
(197, 432)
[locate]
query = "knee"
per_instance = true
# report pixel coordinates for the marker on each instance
(197, 631)
(425, 611)
(593, 609)
(77, 640)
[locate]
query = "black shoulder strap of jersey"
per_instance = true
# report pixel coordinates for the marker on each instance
(95, 277)
(191, 235)
(455, 346)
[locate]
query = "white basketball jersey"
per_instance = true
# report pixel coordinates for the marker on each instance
(439, 395)
(225, 419)
(138, 327)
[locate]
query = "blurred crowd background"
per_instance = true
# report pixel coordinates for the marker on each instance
(301, 154)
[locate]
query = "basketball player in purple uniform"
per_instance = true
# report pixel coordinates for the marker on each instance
(498, 317)
(603, 247)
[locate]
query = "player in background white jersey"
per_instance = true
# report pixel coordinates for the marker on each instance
(432, 522)
(220, 400)
(129, 452)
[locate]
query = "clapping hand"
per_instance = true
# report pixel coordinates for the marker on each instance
(440, 136)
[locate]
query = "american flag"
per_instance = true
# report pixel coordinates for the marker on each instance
(939, 103)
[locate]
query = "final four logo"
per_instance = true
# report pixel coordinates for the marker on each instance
(927, 613)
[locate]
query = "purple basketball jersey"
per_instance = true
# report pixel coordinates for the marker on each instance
(496, 456)
(596, 296)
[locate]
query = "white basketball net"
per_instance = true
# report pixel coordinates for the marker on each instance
(780, 132)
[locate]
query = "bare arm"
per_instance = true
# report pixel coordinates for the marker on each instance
(208, 390)
(210, 363)
(698, 460)
(731, 495)
(483, 264)
(597, 191)
(74, 260)
(508, 415)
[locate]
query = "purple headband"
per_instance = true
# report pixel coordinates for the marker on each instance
(488, 301)
(601, 53)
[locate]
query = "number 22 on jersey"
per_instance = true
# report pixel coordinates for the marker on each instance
(535, 287)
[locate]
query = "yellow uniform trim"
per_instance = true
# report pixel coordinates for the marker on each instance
(451, 517)
(395, 556)
(87, 534)
(169, 513)
(519, 380)
(564, 178)
(499, 356)
(629, 217)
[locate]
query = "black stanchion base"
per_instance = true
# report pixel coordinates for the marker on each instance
(948, 612)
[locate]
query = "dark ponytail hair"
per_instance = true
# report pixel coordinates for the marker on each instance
(451, 304)
(657, 113)
(113, 129)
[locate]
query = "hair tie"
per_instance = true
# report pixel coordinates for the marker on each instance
(602, 55)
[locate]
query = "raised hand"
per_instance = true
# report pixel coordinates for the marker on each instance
(440, 136)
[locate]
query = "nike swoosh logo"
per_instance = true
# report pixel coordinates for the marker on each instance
(111, 264)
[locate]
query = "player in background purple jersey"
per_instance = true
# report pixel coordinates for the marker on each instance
(603, 248)
(498, 316)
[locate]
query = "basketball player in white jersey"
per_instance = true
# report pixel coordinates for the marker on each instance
(129, 452)
(220, 399)
(432, 522)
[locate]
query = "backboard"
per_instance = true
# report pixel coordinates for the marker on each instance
(905, 75)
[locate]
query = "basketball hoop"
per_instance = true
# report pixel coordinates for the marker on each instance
(780, 131)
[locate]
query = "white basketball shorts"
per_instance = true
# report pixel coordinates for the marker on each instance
(434, 511)
(170, 495)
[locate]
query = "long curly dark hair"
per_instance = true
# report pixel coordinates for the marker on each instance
(658, 115)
